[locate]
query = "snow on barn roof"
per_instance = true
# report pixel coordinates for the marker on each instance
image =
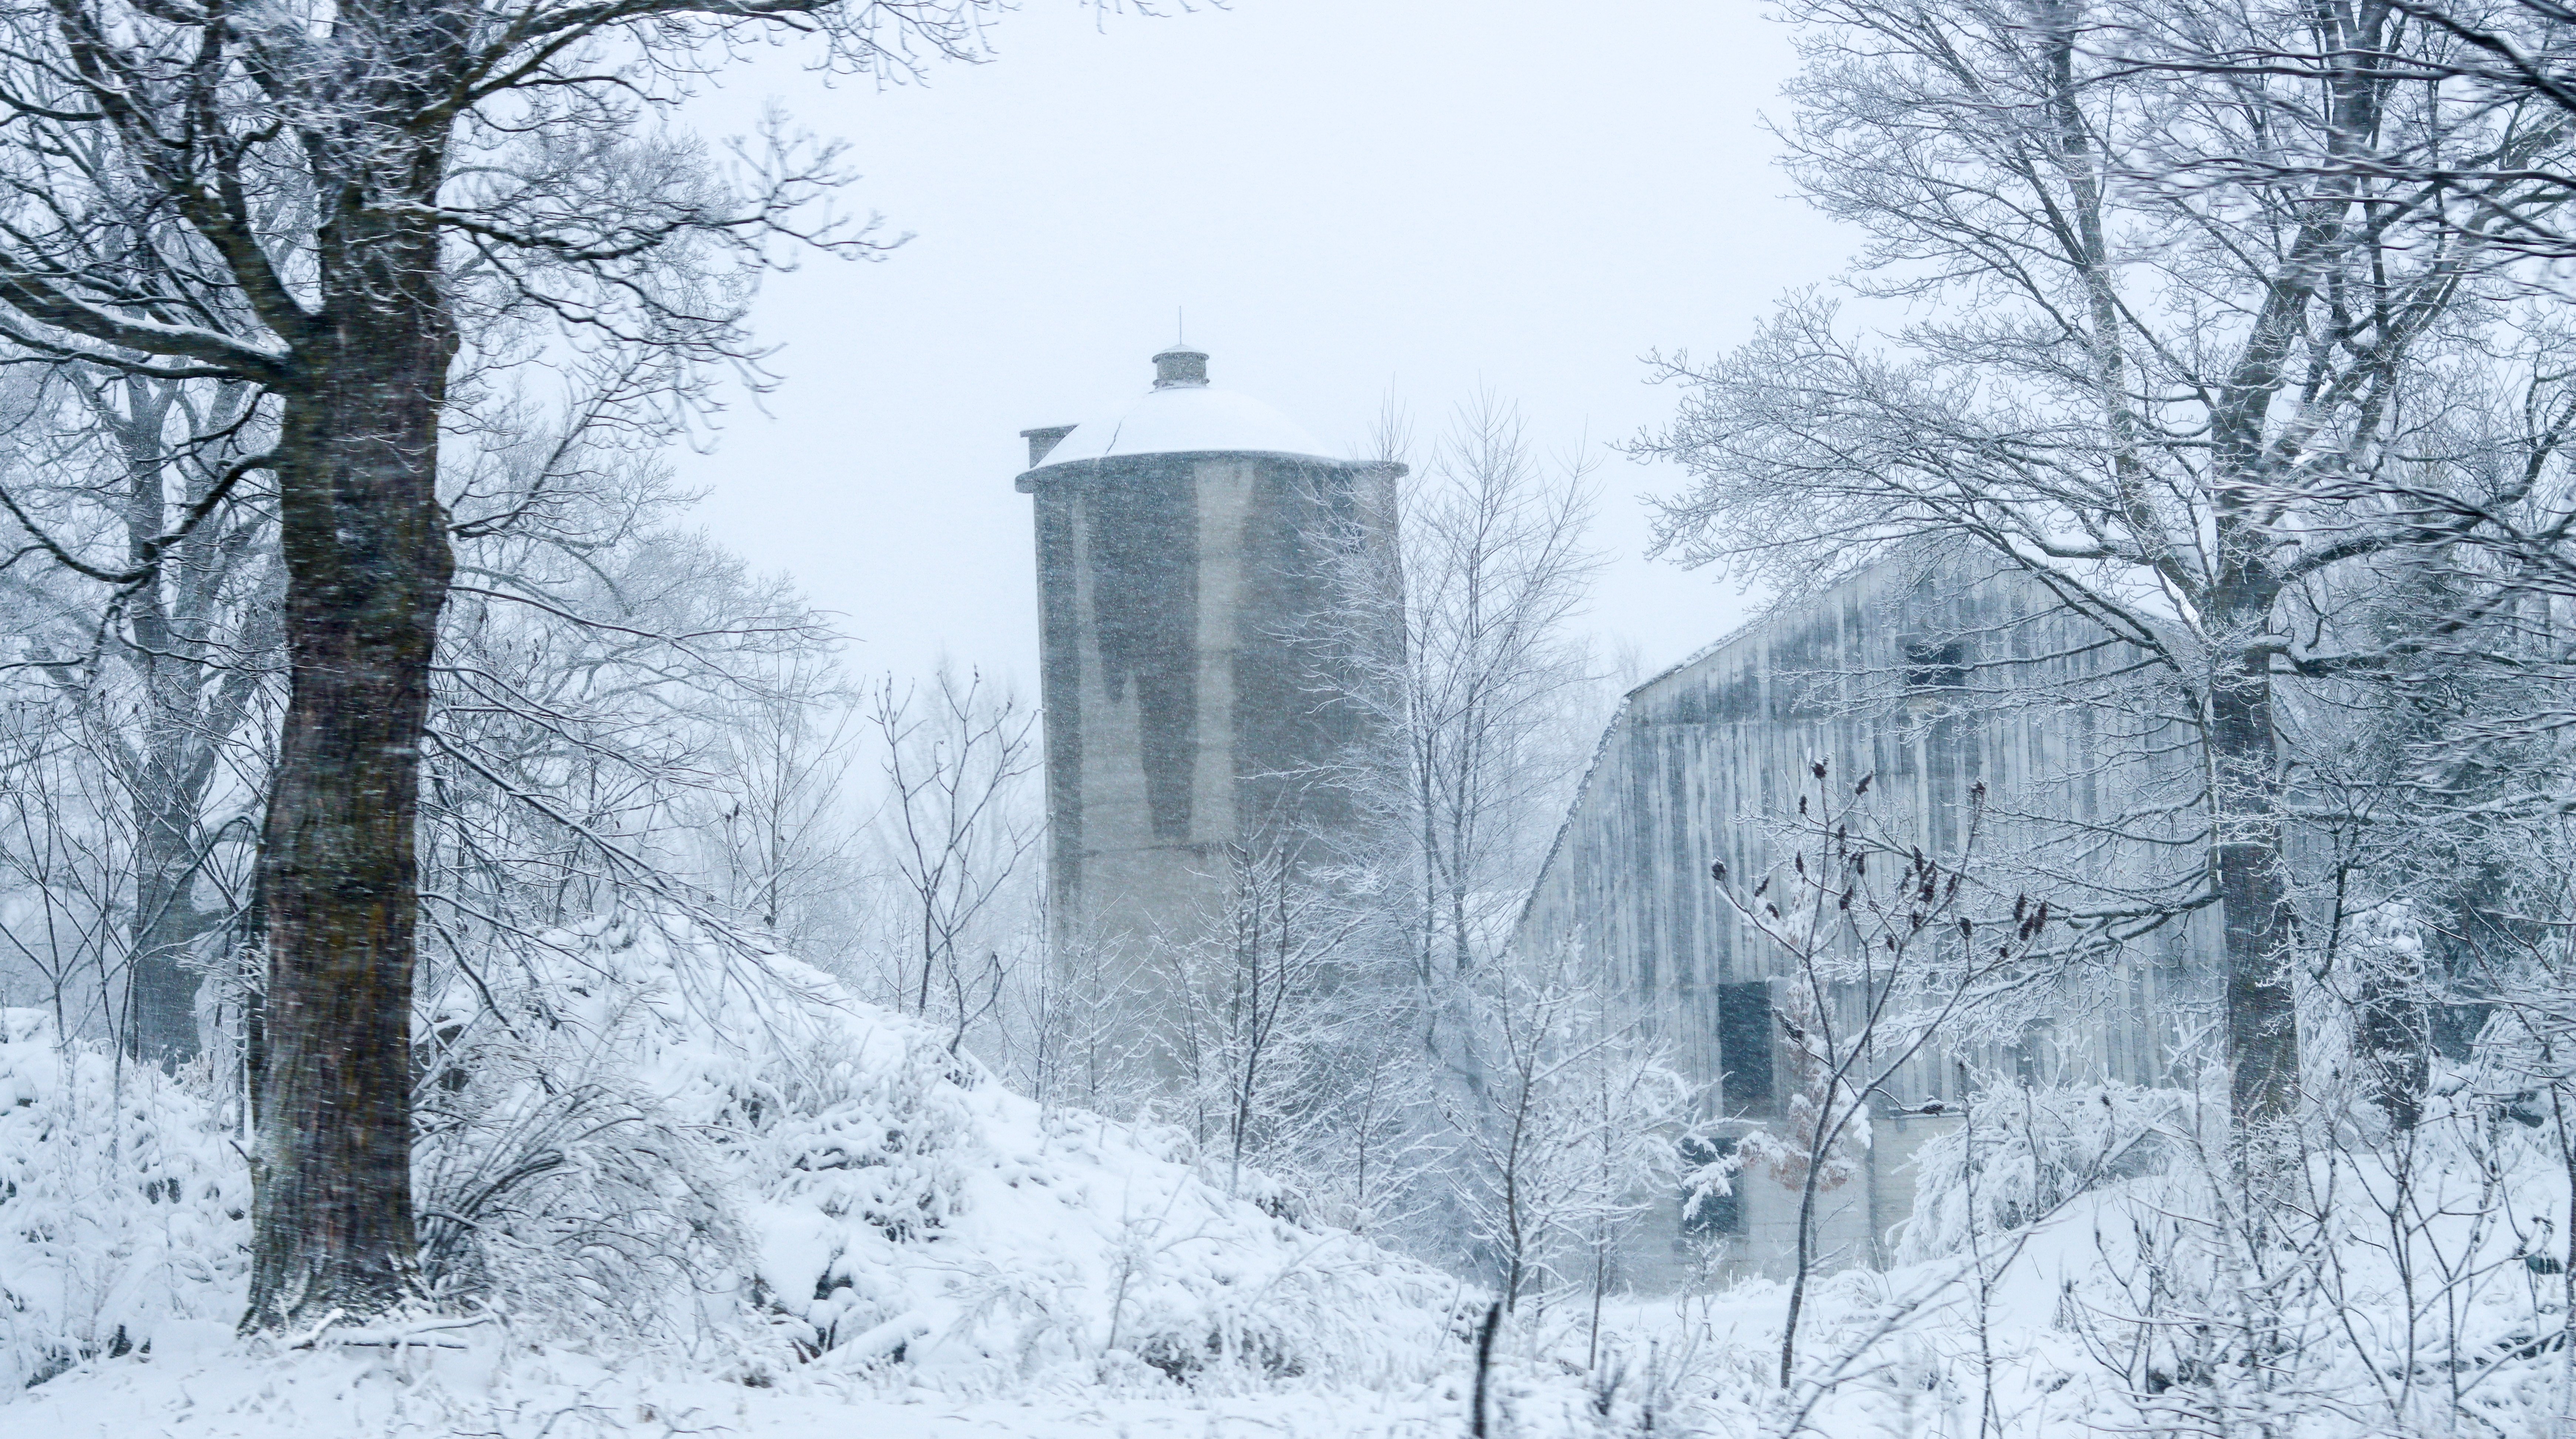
(1184, 414)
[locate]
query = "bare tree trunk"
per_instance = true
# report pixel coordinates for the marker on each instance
(1804, 1259)
(366, 545)
(2253, 896)
(161, 1021)
(2393, 1032)
(1476, 1424)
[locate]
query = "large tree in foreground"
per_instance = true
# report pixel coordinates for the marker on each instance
(317, 201)
(2183, 397)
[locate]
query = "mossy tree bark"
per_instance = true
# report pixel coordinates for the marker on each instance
(367, 555)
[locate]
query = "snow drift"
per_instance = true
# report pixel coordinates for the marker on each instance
(633, 1136)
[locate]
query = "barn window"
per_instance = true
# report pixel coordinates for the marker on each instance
(1933, 663)
(1744, 1046)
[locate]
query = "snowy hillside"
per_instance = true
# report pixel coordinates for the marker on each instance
(783, 1214)
(647, 1147)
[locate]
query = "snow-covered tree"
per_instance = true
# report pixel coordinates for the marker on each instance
(317, 203)
(2181, 407)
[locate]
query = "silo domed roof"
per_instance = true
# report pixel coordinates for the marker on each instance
(1184, 415)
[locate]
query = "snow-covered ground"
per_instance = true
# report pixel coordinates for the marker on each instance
(767, 1210)
(198, 1380)
(646, 1157)
(204, 1386)
(1899, 1353)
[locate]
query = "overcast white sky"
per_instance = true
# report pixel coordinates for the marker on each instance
(1352, 199)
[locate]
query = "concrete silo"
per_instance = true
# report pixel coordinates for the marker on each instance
(1196, 660)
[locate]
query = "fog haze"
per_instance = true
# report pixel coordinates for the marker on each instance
(1352, 202)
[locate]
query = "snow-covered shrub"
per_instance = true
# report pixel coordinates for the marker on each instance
(1817, 1097)
(553, 1182)
(2025, 1151)
(123, 1204)
(642, 1127)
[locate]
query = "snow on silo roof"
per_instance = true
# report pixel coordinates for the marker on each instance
(1184, 414)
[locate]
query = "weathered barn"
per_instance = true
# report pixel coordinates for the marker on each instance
(1930, 675)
